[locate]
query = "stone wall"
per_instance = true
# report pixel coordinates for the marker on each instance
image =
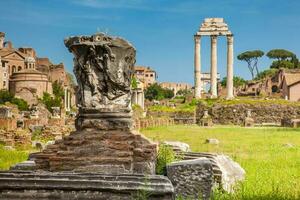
(15, 138)
(236, 113)
(154, 122)
(56, 122)
(179, 117)
(8, 124)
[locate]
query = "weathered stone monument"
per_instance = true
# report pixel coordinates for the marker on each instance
(104, 158)
(103, 141)
(213, 27)
(248, 121)
(206, 119)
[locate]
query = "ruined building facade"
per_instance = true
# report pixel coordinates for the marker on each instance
(27, 76)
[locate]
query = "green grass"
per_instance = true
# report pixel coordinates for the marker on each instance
(11, 157)
(272, 170)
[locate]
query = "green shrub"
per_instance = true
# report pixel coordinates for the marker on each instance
(21, 103)
(36, 135)
(165, 156)
(156, 92)
(49, 101)
(6, 96)
(282, 64)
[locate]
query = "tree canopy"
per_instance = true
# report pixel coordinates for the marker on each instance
(266, 73)
(156, 92)
(251, 57)
(58, 89)
(280, 54)
(237, 81)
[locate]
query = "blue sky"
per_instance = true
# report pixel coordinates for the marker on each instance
(161, 30)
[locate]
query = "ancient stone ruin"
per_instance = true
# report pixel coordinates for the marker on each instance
(104, 158)
(103, 141)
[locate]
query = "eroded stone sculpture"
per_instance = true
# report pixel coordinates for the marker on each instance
(104, 141)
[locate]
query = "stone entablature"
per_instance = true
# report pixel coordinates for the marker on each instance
(213, 26)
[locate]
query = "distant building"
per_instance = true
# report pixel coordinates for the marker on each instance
(284, 84)
(176, 86)
(146, 75)
(27, 76)
(291, 87)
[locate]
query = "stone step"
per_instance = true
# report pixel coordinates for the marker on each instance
(51, 182)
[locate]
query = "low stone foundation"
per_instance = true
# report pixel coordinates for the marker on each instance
(294, 123)
(145, 123)
(103, 151)
(261, 112)
(15, 137)
(82, 186)
(56, 122)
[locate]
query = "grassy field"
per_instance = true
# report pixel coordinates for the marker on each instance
(11, 157)
(272, 168)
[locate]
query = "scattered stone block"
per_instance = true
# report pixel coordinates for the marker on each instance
(226, 172)
(26, 165)
(37, 144)
(212, 141)
(50, 142)
(178, 146)
(288, 145)
(9, 148)
(191, 178)
(232, 172)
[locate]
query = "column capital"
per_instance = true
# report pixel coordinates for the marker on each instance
(229, 39)
(197, 38)
(213, 38)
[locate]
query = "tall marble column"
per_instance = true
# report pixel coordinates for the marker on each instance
(197, 64)
(65, 98)
(139, 99)
(213, 68)
(229, 83)
(69, 100)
